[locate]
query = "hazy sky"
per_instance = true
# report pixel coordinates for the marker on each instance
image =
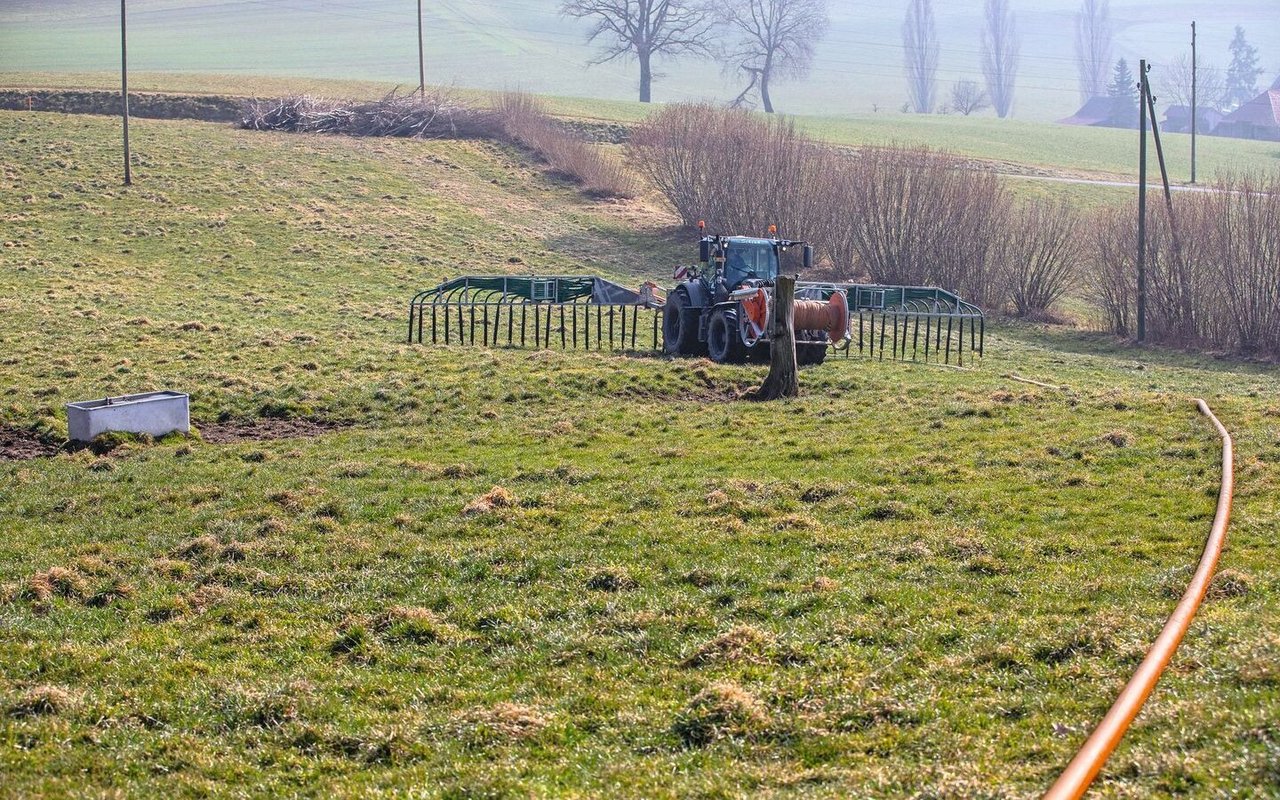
(525, 43)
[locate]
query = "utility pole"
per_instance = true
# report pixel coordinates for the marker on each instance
(1193, 101)
(124, 94)
(1142, 201)
(421, 60)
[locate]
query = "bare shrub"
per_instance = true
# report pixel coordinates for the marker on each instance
(891, 214)
(1212, 280)
(1245, 216)
(1109, 278)
(525, 123)
(1039, 257)
(733, 169)
(916, 216)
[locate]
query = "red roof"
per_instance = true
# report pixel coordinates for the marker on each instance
(1263, 110)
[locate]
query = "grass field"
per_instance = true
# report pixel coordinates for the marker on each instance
(1018, 146)
(910, 582)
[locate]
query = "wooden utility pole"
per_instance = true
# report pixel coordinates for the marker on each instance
(1193, 101)
(783, 379)
(422, 61)
(1142, 201)
(124, 94)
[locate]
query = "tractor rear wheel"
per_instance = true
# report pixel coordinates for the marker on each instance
(724, 344)
(680, 326)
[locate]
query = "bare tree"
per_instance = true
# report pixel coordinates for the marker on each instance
(645, 30)
(920, 46)
(1000, 48)
(967, 97)
(1173, 82)
(1093, 47)
(776, 39)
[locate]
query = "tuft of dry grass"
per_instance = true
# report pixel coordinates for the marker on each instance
(721, 711)
(741, 644)
(204, 546)
(496, 498)
(823, 584)
(502, 723)
(413, 624)
(55, 581)
(110, 594)
(1118, 438)
(1229, 583)
(39, 701)
(611, 579)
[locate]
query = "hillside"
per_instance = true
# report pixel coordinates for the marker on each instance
(489, 44)
(909, 581)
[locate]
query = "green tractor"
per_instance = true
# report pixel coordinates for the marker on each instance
(720, 308)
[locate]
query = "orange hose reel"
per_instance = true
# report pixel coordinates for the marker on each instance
(831, 316)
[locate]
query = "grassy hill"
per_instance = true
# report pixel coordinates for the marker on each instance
(909, 581)
(490, 44)
(1026, 148)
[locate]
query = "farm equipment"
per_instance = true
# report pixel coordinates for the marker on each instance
(720, 309)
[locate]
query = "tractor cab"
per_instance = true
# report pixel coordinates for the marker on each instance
(731, 262)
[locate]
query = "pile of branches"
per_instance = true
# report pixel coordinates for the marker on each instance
(415, 116)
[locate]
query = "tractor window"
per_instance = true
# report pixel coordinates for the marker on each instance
(743, 262)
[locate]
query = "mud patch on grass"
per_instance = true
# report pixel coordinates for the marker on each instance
(19, 445)
(267, 429)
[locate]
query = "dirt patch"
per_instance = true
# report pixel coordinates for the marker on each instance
(265, 429)
(19, 445)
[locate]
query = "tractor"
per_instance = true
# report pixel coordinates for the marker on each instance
(721, 308)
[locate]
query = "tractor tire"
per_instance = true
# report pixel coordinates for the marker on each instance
(680, 326)
(724, 344)
(810, 353)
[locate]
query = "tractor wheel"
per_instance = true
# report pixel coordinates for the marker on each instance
(680, 326)
(724, 344)
(810, 353)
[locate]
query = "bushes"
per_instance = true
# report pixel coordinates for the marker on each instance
(1213, 277)
(569, 156)
(918, 217)
(1039, 256)
(733, 169)
(890, 214)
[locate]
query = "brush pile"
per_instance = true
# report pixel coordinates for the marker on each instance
(429, 116)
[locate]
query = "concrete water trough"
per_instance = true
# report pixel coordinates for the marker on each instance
(152, 413)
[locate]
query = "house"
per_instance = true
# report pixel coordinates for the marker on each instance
(1257, 119)
(1177, 119)
(1103, 112)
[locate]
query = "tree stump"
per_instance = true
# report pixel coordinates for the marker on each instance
(783, 379)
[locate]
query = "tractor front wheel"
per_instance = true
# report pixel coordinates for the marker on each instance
(680, 326)
(724, 343)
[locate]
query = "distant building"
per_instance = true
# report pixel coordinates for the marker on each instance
(1103, 112)
(1257, 119)
(1177, 119)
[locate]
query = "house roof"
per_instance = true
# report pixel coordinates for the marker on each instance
(1263, 110)
(1095, 111)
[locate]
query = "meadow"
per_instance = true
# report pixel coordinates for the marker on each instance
(488, 573)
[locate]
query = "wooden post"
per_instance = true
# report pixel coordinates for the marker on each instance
(783, 379)
(124, 94)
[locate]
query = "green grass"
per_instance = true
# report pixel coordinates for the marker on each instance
(910, 581)
(1014, 145)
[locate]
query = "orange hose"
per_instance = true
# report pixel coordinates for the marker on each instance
(1075, 779)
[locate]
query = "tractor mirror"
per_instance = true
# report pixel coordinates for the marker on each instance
(808, 256)
(704, 250)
